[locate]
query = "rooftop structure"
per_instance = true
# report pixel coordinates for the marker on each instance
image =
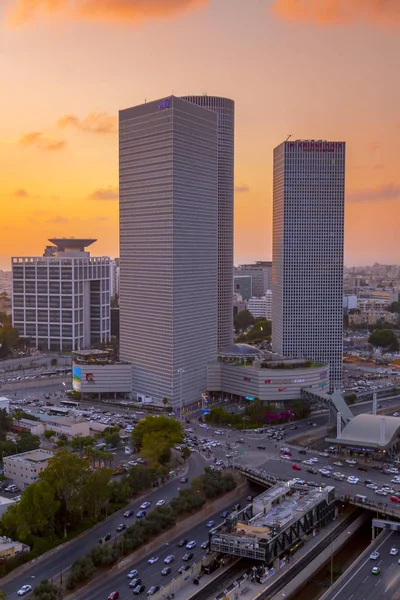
(23, 469)
(370, 432)
(67, 244)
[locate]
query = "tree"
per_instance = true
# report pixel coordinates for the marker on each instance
(165, 402)
(46, 590)
(112, 439)
(394, 307)
(243, 320)
(384, 338)
(18, 414)
(49, 433)
(8, 335)
(95, 491)
(2, 595)
(36, 510)
(5, 423)
(170, 429)
(27, 442)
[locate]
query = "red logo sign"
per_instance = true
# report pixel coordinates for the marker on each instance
(268, 381)
(246, 378)
(90, 377)
(281, 389)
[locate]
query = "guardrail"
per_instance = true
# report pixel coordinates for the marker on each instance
(379, 507)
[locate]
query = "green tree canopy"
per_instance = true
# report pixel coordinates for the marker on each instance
(36, 511)
(155, 436)
(394, 307)
(243, 320)
(384, 338)
(8, 335)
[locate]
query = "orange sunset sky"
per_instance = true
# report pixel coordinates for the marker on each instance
(310, 68)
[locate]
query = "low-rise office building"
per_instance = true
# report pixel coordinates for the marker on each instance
(5, 503)
(9, 548)
(245, 372)
(96, 373)
(24, 468)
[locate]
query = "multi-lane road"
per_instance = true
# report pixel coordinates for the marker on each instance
(61, 560)
(359, 583)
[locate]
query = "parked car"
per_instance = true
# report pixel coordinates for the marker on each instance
(296, 467)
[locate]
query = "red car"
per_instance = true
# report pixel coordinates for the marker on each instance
(296, 467)
(395, 498)
(113, 596)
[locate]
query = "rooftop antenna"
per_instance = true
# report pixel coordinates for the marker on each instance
(289, 136)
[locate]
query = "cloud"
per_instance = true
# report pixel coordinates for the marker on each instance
(37, 140)
(127, 11)
(102, 123)
(21, 194)
(109, 193)
(242, 189)
(385, 192)
(58, 219)
(339, 12)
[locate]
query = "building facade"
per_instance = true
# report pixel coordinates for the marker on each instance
(261, 307)
(225, 110)
(61, 301)
(95, 372)
(242, 284)
(308, 232)
(24, 468)
(260, 273)
(169, 247)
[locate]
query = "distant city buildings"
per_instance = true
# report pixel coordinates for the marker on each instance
(261, 276)
(242, 284)
(61, 300)
(308, 232)
(261, 307)
(176, 239)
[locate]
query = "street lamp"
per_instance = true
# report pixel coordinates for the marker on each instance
(181, 372)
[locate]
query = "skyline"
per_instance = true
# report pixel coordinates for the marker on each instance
(312, 73)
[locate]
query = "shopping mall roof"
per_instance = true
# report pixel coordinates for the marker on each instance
(240, 350)
(374, 431)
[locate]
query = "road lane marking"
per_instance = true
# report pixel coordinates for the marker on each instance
(379, 580)
(364, 580)
(380, 561)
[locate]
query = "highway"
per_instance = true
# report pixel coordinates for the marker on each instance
(151, 574)
(63, 558)
(359, 583)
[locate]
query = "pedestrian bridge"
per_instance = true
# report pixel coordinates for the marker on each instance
(334, 402)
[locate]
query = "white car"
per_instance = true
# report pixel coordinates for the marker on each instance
(24, 590)
(337, 463)
(160, 503)
(314, 459)
(394, 551)
(350, 461)
(308, 462)
(285, 456)
(352, 479)
(381, 492)
(324, 454)
(374, 555)
(372, 486)
(152, 560)
(190, 545)
(145, 505)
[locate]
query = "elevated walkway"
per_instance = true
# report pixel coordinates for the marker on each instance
(334, 402)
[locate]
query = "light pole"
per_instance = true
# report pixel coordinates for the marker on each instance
(181, 372)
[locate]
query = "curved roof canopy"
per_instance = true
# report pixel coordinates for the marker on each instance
(72, 243)
(240, 350)
(372, 430)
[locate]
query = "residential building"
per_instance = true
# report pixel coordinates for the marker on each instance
(9, 548)
(61, 301)
(260, 273)
(242, 284)
(225, 110)
(373, 316)
(24, 468)
(261, 307)
(308, 231)
(168, 164)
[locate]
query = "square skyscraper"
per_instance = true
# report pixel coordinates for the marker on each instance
(168, 246)
(307, 261)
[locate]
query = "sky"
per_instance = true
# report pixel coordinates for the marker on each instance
(312, 69)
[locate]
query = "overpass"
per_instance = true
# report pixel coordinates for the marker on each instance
(333, 402)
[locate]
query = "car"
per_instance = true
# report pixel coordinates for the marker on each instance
(236, 506)
(375, 570)
(190, 545)
(113, 596)
(105, 538)
(169, 559)
(338, 463)
(285, 456)
(395, 499)
(367, 481)
(182, 543)
(188, 556)
(225, 514)
(381, 492)
(261, 447)
(293, 427)
(210, 523)
(249, 499)
(145, 505)
(372, 486)
(394, 551)
(24, 590)
(152, 560)
(296, 467)
(184, 479)
(166, 571)
(160, 503)
(141, 514)
(205, 545)
(302, 451)
(133, 573)
(139, 589)
(312, 483)
(388, 489)
(353, 480)
(128, 513)
(312, 470)
(314, 459)
(374, 555)
(135, 582)
(324, 454)
(183, 568)
(351, 461)
(240, 441)
(121, 527)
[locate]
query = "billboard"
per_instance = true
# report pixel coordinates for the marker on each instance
(76, 374)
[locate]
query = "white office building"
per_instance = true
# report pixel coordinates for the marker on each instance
(308, 231)
(260, 273)
(261, 307)
(168, 164)
(61, 300)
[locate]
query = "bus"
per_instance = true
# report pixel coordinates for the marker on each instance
(69, 404)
